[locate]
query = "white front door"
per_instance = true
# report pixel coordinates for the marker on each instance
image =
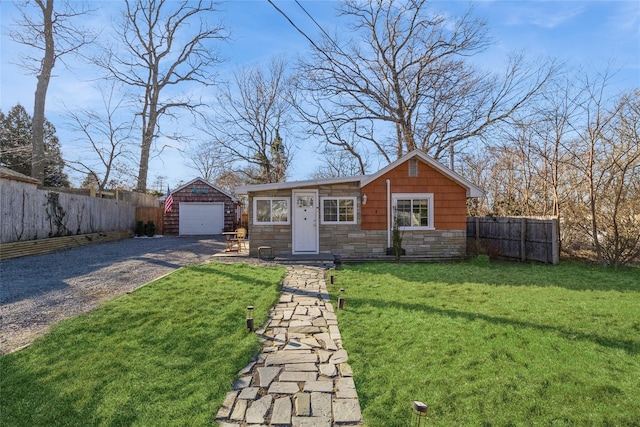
(305, 222)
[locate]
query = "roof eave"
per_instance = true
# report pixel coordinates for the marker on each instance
(472, 189)
(246, 189)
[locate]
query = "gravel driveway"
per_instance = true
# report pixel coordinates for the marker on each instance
(38, 291)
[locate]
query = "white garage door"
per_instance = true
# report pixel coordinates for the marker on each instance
(201, 218)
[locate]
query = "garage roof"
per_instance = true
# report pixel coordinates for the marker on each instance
(226, 193)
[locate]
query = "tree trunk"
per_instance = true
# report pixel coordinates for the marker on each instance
(48, 61)
(145, 150)
(149, 122)
(593, 201)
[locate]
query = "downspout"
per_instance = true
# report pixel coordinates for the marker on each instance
(388, 213)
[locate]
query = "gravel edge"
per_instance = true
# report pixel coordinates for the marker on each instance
(40, 291)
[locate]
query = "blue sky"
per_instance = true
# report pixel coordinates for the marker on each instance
(583, 34)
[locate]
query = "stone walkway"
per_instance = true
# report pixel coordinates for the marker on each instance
(301, 378)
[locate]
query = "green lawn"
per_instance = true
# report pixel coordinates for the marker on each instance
(493, 344)
(482, 344)
(163, 355)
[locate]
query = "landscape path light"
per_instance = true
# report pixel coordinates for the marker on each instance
(341, 299)
(420, 411)
(250, 318)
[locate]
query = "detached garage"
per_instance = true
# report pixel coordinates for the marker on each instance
(200, 208)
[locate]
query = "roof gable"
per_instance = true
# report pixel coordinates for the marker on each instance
(472, 189)
(204, 181)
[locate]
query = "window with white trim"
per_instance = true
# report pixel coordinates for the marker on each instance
(271, 210)
(413, 211)
(338, 210)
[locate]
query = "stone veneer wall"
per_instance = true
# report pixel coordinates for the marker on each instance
(436, 243)
(278, 237)
(349, 243)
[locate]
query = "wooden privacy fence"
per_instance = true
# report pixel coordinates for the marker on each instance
(29, 213)
(152, 214)
(522, 238)
(134, 198)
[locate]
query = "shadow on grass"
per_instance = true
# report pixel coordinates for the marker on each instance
(629, 345)
(237, 277)
(47, 401)
(572, 276)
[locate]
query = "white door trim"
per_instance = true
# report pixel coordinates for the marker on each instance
(308, 225)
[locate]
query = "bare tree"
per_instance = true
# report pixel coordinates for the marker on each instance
(228, 180)
(576, 157)
(209, 160)
(589, 149)
(623, 236)
(53, 32)
(339, 163)
(405, 76)
(249, 118)
(551, 133)
(108, 136)
(165, 46)
(612, 170)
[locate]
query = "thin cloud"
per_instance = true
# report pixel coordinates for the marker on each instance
(548, 15)
(625, 19)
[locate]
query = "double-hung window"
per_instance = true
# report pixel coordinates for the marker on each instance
(413, 210)
(271, 210)
(338, 210)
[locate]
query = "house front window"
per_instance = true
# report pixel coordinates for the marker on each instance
(413, 211)
(271, 210)
(338, 210)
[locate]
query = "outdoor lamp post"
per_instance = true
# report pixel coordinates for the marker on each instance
(420, 411)
(250, 318)
(341, 299)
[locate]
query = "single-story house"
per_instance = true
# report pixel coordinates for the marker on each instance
(353, 217)
(200, 208)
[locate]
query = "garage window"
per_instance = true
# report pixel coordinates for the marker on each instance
(271, 210)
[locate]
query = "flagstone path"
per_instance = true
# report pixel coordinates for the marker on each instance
(301, 378)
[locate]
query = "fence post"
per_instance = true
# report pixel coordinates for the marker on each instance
(523, 239)
(555, 242)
